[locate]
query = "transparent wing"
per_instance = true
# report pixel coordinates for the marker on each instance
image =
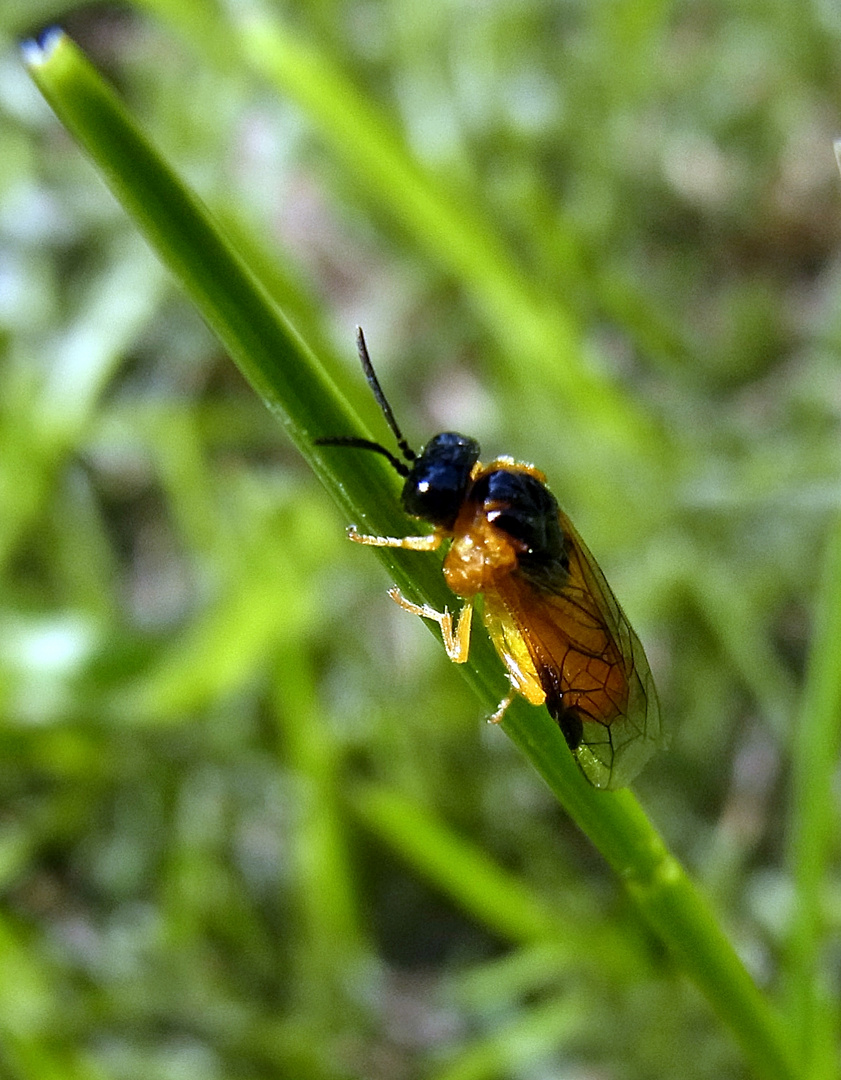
(590, 661)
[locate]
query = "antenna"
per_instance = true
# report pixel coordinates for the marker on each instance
(399, 466)
(406, 450)
(367, 444)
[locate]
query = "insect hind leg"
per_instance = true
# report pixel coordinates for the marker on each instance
(502, 708)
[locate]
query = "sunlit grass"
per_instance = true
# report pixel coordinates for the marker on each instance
(254, 819)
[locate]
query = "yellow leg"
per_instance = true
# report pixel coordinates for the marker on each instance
(411, 543)
(456, 643)
(502, 707)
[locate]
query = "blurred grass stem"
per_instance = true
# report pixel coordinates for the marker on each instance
(289, 378)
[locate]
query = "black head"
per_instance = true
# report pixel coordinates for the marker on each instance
(439, 478)
(436, 479)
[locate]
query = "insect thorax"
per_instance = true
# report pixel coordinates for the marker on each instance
(480, 553)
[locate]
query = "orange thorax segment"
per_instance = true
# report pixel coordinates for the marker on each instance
(480, 554)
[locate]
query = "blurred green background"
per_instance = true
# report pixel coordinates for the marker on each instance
(252, 824)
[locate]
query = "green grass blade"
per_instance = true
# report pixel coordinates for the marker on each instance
(500, 902)
(272, 356)
(817, 741)
(517, 1046)
(667, 898)
(524, 321)
(293, 384)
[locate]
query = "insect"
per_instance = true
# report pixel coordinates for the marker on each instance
(548, 609)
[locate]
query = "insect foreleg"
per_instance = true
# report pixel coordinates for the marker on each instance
(456, 642)
(411, 543)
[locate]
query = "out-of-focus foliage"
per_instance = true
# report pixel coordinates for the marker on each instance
(251, 822)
